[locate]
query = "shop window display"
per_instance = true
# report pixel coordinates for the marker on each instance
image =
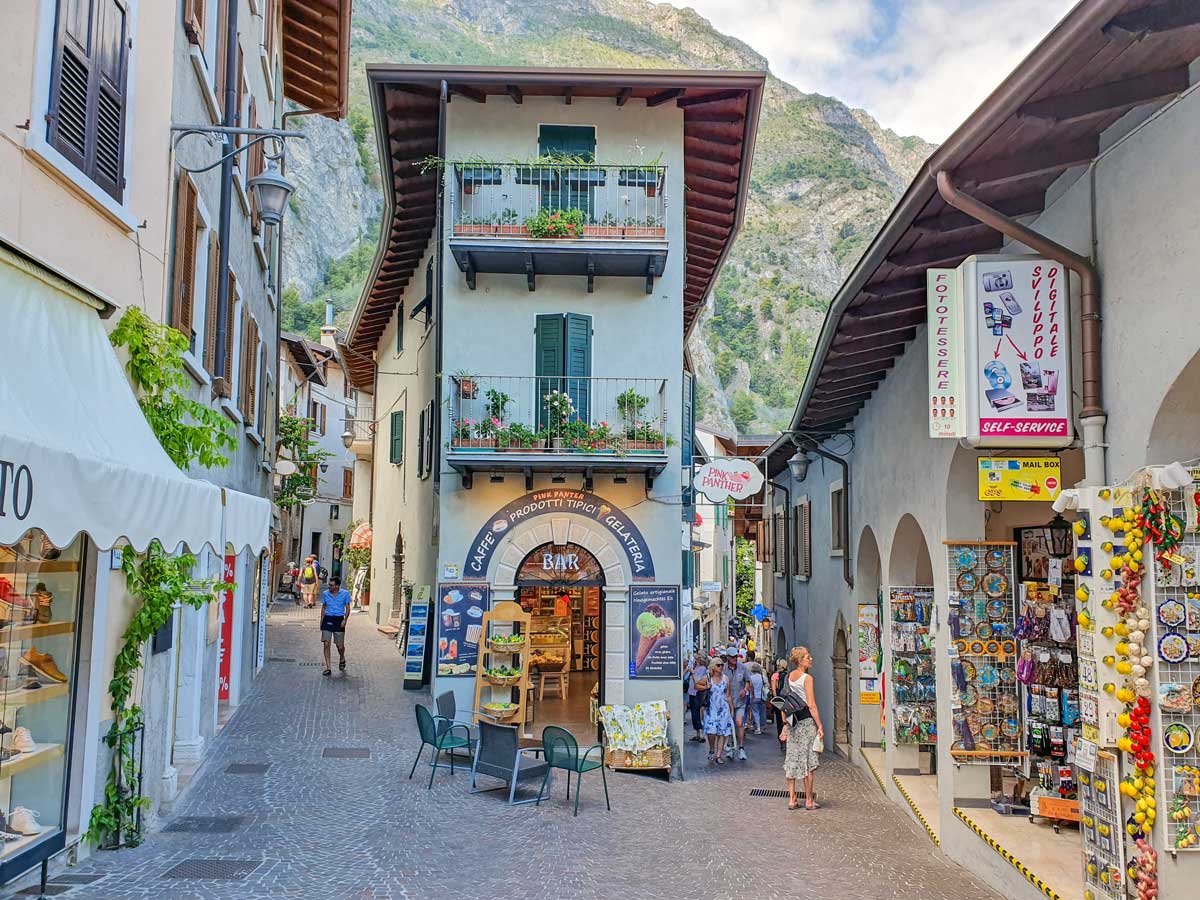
(914, 707)
(39, 609)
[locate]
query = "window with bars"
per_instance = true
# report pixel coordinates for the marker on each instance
(88, 90)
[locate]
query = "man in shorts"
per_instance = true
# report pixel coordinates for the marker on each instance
(335, 611)
(738, 677)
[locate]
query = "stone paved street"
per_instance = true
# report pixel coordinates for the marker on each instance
(317, 827)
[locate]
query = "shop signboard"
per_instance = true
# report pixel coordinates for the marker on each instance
(869, 691)
(1037, 478)
(460, 610)
(416, 633)
(726, 477)
(654, 631)
(999, 352)
(947, 406)
(224, 667)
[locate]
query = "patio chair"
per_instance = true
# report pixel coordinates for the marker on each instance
(499, 755)
(562, 752)
(439, 734)
(447, 708)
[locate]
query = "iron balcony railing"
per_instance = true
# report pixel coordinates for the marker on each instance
(557, 414)
(556, 201)
(360, 420)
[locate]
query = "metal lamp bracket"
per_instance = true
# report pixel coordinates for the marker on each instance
(224, 132)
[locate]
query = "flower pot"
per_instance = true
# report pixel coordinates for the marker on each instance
(556, 443)
(467, 388)
(512, 229)
(484, 443)
(475, 229)
(644, 231)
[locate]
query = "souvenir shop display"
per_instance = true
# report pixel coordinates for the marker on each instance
(1101, 830)
(914, 707)
(984, 658)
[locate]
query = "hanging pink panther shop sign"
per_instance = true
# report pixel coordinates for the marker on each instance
(549, 502)
(728, 477)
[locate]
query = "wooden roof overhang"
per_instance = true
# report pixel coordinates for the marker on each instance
(720, 116)
(316, 55)
(1104, 59)
(301, 353)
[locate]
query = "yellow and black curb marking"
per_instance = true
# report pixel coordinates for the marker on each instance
(920, 818)
(867, 760)
(1008, 857)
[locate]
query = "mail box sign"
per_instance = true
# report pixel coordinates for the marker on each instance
(1037, 478)
(999, 352)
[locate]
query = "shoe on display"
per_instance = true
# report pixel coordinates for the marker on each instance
(22, 741)
(42, 599)
(24, 821)
(5, 834)
(43, 664)
(742, 755)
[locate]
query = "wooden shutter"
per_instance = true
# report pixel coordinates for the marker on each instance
(347, 484)
(804, 539)
(421, 445)
(210, 312)
(578, 361)
(86, 119)
(230, 321)
(193, 21)
(222, 55)
(263, 380)
(397, 438)
(687, 426)
(429, 414)
(254, 166)
(269, 31)
(400, 329)
(183, 283)
(324, 410)
(548, 360)
(247, 389)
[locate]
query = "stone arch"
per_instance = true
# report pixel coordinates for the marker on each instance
(909, 562)
(782, 648)
(869, 567)
(1175, 434)
(841, 680)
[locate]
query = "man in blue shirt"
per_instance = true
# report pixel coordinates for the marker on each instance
(335, 611)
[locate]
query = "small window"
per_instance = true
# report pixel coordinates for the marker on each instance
(348, 484)
(397, 438)
(334, 511)
(835, 518)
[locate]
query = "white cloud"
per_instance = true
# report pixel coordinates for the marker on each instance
(919, 66)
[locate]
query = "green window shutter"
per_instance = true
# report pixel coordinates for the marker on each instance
(398, 437)
(578, 359)
(548, 360)
(568, 140)
(687, 568)
(421, 446)
(400, 329)
(687, 426)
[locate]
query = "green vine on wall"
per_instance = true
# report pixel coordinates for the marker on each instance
(294, 436)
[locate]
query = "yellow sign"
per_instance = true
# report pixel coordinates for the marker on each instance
(1020, 478)
(870, 698)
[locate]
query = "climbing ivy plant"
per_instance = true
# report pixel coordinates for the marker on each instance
(295, 437)
(190, 432)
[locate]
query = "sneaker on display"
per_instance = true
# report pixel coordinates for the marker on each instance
(43, 664)
(24, 821)
(742, 755)
(22, 740)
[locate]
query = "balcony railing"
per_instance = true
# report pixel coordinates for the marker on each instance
(360, 421)
(556, 201)
(557, 415)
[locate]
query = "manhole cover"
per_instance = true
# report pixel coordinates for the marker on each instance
(52, 890)
(281, 659)
(205, 824)
(77, 877)
(247, 768)
(213, 869)
(346, 753)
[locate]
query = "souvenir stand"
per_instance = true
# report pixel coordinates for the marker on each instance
(985, 708)
(914, 697)
(502, 678)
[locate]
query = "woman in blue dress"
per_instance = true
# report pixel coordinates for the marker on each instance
(718, 717)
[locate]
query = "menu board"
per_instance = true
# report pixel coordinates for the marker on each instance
(415, 636)
(654, 631)
(460, 609)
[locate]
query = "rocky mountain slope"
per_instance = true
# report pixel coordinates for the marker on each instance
(825, 176)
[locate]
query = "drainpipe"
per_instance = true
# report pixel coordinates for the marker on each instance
(847, 575)
(787, 556)
(1092, 418)
(232, 76)
(439, 252)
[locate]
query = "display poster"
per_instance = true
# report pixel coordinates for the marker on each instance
(1020, 362)
(460, 609)
(1036, 478)
(869, 689)
(226, 631)
(947, 409)
(654, 631)
(264, 591)
(416, 633)
(559, 501)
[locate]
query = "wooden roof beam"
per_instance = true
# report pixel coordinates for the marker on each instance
(469, 92)
(664, 97)
(709, 186)
(864, 357)
(949, 253)
(712, 98)
(623, 95)
(862, 343)
(853, 326)
(711, 150)
(1116, 96)
(515, 93)
(954, 220)
(897, 284)
(1161, 17)
(1047, 159)
(709, 217)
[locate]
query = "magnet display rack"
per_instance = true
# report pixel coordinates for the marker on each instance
(1175, 619)
(986, 714)
(1101, 829)
(914, 701)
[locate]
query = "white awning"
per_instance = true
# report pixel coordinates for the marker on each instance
(76, 453)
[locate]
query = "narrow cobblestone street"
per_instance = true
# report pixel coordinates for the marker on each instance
(320, 827)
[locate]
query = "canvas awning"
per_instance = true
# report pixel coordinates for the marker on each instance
(76, 453)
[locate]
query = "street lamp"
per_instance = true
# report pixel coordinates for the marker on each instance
(347, 437)
(272, 191)
(799, 465)
(324, 468)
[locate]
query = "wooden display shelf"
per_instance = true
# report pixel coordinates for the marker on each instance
(11, 634)
(35, 567)
(39, 756)
(17, 699)
(505, 613)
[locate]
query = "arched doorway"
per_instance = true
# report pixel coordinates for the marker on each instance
(561, 587)
(841, 682)
(399, 613)
(868, 582)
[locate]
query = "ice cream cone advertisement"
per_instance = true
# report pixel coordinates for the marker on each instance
(654, 631)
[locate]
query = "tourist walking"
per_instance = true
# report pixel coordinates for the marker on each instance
(758, 696)
(335, 611)
(803, 731)
(739, 689)
(718, 720)
(778, 684)
(697, 693)
(309, 582)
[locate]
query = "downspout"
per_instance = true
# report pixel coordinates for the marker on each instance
(1092, 418)
(232, 77)
(443, 100)
(847, 575)
(787, 556)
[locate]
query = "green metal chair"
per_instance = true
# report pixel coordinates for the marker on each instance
(438, 732)
(562, 752)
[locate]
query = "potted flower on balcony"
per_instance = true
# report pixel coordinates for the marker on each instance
(559, 409)
(468, 384)
(648, 177)
(559, 223)
(460, 432)
(475, 225)
(519, 437)
(608, 226)
(486, 431)
(509, 222)
(631, 404)
(642, 436)
(649, 227)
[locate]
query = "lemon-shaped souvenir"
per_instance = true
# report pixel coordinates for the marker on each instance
(1139, 817)
(1103, 829)
(1133, 830)
(1109, 687)
(1137, 555)
(1124, 667)
(1147, 827)
(1128, 514)
(1107, 546)
(1121, 628)
(1092, 868)
(1122, 648)
(1079, 527)
(1105, 493)
(1141, 806)
(1082, 593)
(1124, 744)
(1101, 785)
(1150, 802)
(1104, 876)
(1085, 621)
(1081, 562)
(1123, 720)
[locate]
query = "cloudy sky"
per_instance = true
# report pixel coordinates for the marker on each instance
(919, 66)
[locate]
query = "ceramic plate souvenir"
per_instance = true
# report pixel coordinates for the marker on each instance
(989, 676)
(1196, 691)
(1174, 697)
(957, 745)
(984, 707)
(993, 648)
(966, 582)
(983, 745)
(1011, 727)
(1172, 613)
(969, 671)
(976, 648)
(974, 724)
(968, 697)
(1008, 704)
(994, 559)
(989, 732)
(1172, 648)
(983, 630)
(1193, 646)
(1009, 648)
(966, 558)
(995, 608)
(1177, 737)
(995, 584)
(961, 646)
(1008, 676)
